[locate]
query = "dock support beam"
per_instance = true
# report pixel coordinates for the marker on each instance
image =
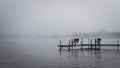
(117, 44)
(95, 44)
(82, 44)
(72, 43)
(99, 45)
(60, 45)
(69, 46)
(91, 43)
(88, 43)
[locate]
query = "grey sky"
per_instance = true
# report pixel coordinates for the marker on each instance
(58, 16)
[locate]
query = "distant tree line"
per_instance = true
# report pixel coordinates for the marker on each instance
(101, 34)
(97, 34)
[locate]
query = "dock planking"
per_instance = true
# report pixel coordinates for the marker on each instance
(88, 45)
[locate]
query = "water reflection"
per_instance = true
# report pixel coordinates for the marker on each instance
(88, 58)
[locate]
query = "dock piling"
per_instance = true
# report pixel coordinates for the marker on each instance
(81, 43)
(69, 46)
(117, 44)
(95, 44)
(91, 43)
(88, 43)
(60, 45)
(72, 43)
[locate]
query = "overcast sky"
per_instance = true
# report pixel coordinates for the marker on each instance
(58, 16)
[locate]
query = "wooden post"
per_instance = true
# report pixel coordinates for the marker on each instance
(88, 43)
(95, 44)
(117, 44)
(99, 45)
(69, 42)
(69, 46)
(60, 45)
(91, 43)
(72, 43)
(81, 43)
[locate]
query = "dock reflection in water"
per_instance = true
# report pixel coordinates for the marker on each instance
(105, 58)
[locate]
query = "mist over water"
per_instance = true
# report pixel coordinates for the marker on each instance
(48, 17)
(30, 31)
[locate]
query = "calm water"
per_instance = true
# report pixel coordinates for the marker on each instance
(44, 53)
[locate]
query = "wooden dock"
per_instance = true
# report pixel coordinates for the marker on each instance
(96, 45)
(88, 45)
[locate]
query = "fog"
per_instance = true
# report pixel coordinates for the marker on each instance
(48, 17)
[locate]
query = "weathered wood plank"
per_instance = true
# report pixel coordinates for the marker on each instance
(88, 45)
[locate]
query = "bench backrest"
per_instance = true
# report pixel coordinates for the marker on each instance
(76, 40)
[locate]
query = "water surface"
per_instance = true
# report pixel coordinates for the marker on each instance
(44, 53)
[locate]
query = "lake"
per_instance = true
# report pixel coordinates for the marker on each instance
(44, 53)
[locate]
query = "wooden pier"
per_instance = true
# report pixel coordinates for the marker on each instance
(92, 46)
